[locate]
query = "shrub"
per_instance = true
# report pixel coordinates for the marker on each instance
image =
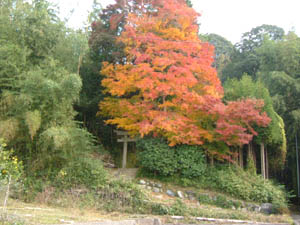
(84, 171)
(205, 199)
(158, 157)
(191, 161)
(247, 186)
(10, 166)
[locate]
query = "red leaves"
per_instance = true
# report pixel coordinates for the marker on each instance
(235, 121)
(167, 85)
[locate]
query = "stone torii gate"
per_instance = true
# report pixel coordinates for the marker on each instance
(125, 139)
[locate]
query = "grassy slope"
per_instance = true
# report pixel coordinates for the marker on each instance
(70, 210)
(42, 214)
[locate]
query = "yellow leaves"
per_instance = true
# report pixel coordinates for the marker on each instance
(173, 34)
(125, 124)
(168, 105)
(184, 22)
(62, 173)
(110, 107)
(160, 64)
(120, 79)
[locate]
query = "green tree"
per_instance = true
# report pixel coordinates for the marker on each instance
(223, 50)
(244, 58)
(272, 136)
(254, 38)
(37, 90)
(280, 71)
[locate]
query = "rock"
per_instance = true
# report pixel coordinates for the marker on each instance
(158, 185)
(252, 207)
(156, 190)
(191, 197)
(180, 194)
(257, 208)
(266, 208)
(143, 186)
(249, 207)
(170, 193)
(142, 182)
(151, 184)
(149, 188)
(190, 193)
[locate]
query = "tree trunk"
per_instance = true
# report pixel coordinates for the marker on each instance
(241, 160)
(267, 164)
(251, 153)
(262, 159)
(211, 159)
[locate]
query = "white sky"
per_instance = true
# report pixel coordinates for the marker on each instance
(228, 18)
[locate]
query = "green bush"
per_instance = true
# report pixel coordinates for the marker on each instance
(191, 161)
(247, 186)
(158, 157)
(10, 167)
(84, 171)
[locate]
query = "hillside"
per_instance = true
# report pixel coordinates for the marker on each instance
(168, 202)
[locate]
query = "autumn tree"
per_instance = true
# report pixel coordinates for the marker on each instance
(165, 78)
(166, 85)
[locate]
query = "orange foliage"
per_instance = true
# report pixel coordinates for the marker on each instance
(166, 85)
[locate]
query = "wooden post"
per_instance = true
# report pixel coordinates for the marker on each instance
(124, 161)
(262, 159)
(125, 139)
(267, 164)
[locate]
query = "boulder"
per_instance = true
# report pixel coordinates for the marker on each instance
(170, 193)
(180, 194)
(158, 185)
(142, 182)
(156, 190)
(266, 208)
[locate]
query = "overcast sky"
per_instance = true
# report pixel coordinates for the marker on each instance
(228, 18)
